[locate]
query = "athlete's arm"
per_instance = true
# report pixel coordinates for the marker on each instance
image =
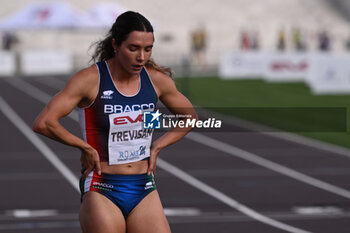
(177, 103)
(78, 92)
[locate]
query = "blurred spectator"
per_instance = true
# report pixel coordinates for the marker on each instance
(245, 41)
(199, 43)
(299, 43)
(323, 41)
(8, 41)
(254, 40)
(281, 42)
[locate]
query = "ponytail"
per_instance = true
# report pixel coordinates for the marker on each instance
(103, 51)
(165, 70)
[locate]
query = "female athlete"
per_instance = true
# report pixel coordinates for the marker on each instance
(117, 156)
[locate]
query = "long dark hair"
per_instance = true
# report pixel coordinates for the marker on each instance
(125, 23)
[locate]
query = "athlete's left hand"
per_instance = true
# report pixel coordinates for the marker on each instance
(152, 162)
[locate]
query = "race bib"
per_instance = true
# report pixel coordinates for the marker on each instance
(128, 141)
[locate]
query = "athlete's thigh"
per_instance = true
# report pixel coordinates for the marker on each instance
(99, 215)
(148, 216)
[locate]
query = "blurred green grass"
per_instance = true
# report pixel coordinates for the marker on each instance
(286, 106)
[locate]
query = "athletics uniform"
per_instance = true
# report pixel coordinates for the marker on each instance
(112, 125)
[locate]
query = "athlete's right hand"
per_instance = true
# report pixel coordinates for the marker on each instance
(90, 161)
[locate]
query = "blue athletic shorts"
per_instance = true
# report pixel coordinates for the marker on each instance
(125, 191)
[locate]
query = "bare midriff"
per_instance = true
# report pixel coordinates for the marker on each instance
(139, 167)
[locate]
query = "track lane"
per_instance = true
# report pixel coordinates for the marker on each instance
(25, 226)
(204, 168)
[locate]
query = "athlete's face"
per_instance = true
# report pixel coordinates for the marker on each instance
(135, 51)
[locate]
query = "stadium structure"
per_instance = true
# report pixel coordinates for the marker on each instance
(175, 22)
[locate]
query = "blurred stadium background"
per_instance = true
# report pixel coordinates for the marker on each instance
(72, 26)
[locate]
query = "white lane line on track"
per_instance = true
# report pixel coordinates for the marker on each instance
(188, 178)
(36, 93)
(253, 158)
(29, 213)
(39, 144)
(189, 212)
(224, 198)
(267, 130)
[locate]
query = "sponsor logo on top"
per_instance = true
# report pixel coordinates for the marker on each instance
(107, 94)
(122, 120)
